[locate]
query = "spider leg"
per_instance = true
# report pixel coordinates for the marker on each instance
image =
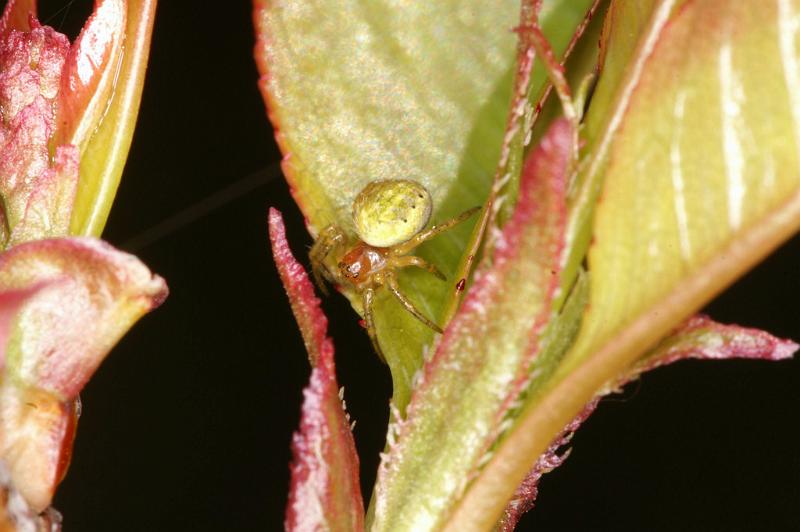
(391, 284)
(331, 237)
(370, 321)
(405, 247)
(408, 260)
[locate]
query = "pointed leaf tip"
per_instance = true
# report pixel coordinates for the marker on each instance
(89, 71)
(698, 338)
(80, 296)
(16, 16)
(305, 305)
(325, 490)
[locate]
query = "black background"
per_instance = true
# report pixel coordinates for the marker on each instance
(187, 424)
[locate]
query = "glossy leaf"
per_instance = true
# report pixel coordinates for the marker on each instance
(486, 357)
(698, 338)
(372, 91)
(325, 493)
(699, 172)
(105, 135)
(67, 110)
(16, 16)
(88, 75)
(50, 353)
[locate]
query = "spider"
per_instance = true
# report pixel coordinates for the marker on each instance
(389, 217)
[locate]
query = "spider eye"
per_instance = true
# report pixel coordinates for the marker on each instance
(353, 269)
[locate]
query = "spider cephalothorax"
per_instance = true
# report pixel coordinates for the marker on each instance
(389, 217)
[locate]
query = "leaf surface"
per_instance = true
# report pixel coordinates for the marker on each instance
(105, 133)
(83, 295)
(30, 69)
(375, 91)
(699, 173)
(485, 358)
(16, 16)
(325, 493)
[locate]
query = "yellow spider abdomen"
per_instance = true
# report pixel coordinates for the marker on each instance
(391, 211)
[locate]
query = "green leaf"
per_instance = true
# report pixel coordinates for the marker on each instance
(374, 91)
(110, 98)
(486, 358)
(698, 164)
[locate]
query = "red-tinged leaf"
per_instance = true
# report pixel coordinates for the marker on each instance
(87, 295)
(105, 142)
(555, 455)
(486, 357)
(49, 206)
(90, 283)
(10, 303)
(89, 71)
(38, 430)
(699, 338)
(696, 155)
(325, 493)
(702, 338)
(527, 101)
(305, 305)
(30, 69)
(16, 16)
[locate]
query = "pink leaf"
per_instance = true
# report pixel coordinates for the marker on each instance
(554, 456)
(30, 72)
(305, 305)
(49, 205)
(325, 493)
(698, 338)
(16, 16)
(84, 297)
(89, 71)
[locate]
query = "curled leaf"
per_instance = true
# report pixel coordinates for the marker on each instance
(83, 296)
(110, 97)
(89, 73)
